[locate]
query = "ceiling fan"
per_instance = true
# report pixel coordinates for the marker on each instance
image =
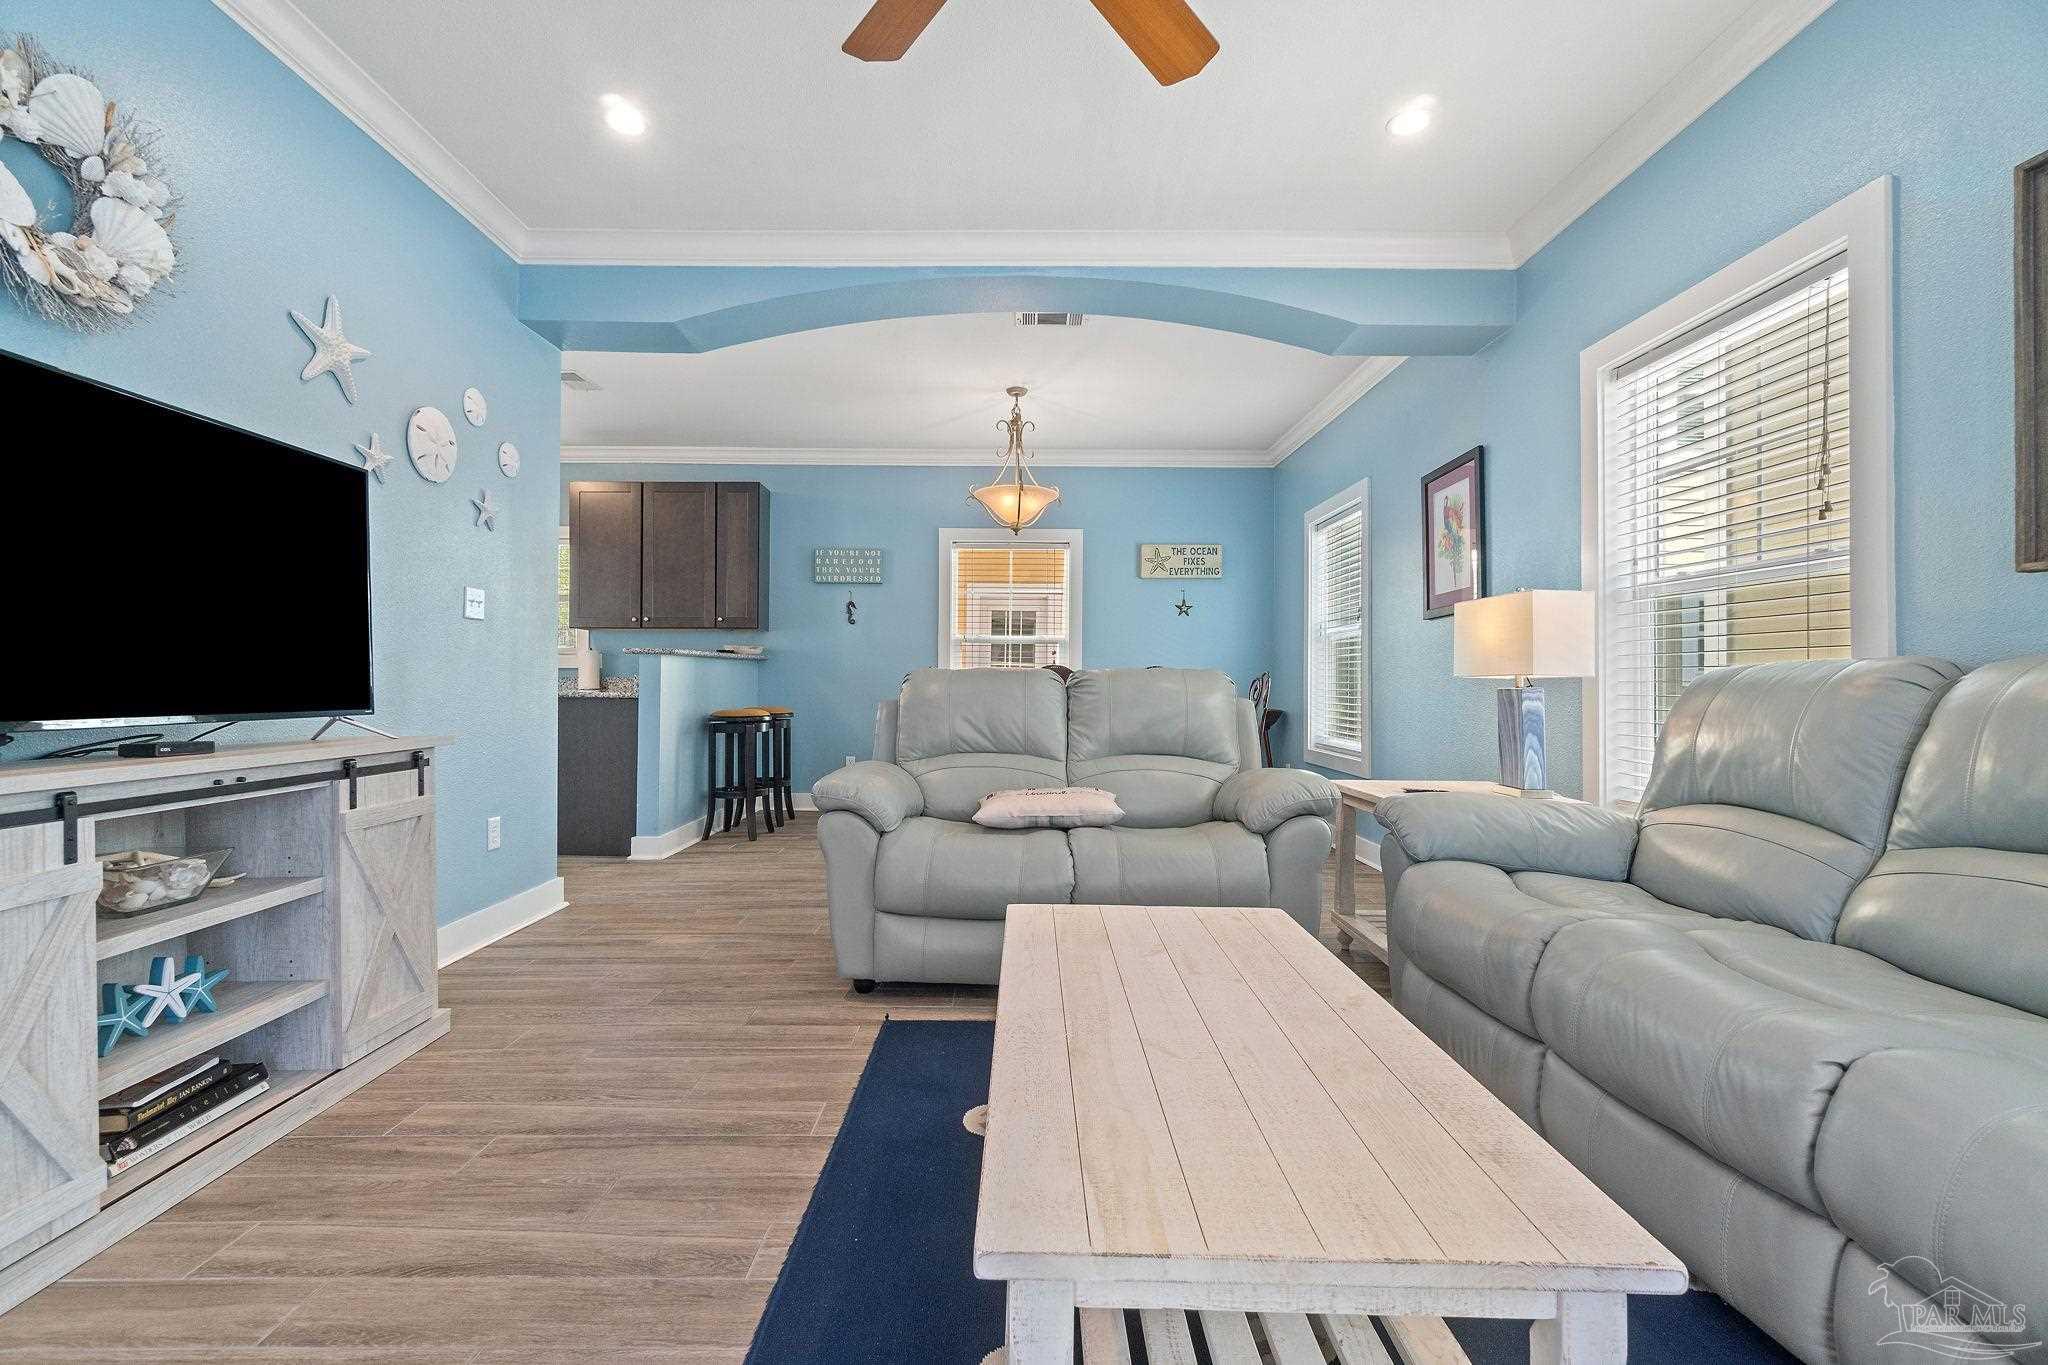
(1165, 34)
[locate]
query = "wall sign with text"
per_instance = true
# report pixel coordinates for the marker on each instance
(844, 564)
(1180, 561)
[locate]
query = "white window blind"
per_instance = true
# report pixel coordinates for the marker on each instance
(1336, 631)
(1724, 519)
(1008, 603)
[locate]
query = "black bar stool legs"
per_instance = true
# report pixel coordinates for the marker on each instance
(775, 766)
(739, 732)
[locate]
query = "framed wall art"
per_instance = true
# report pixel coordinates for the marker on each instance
(2030, 364)
(1454, 533)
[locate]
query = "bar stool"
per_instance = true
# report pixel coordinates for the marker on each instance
(775, 766)
(738, 731)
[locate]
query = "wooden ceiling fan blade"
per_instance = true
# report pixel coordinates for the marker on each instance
(889, 29)
(1165, 34)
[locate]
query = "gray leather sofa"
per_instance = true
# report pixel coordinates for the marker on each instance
(918, 891)
(1791, 1014)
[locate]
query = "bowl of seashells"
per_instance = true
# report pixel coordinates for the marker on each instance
(140, 881)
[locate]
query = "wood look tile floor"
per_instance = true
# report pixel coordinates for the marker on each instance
(604, 1160)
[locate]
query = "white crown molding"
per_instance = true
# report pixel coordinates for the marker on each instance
(298, 42)
(1747, 43)
(1353, 387)
(1136, 249)
(990, 457)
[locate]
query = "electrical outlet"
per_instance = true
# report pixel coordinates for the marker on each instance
(850, 760)
(473, 607)
(494, 832)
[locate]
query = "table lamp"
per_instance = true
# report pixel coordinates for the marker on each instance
(1536, 633)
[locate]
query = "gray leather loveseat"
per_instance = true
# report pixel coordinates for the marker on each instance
(1791, 1015)
(918, 891)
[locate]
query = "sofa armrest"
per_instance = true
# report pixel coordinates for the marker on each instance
(880, 793)
(1263, 799)
(1513, 833)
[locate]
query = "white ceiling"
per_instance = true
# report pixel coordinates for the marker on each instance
(1022, 129)
(931, 389)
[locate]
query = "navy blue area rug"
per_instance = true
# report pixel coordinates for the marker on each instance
(881, 1271)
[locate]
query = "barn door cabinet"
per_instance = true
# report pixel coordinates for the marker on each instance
(328, 938)
(668, 556)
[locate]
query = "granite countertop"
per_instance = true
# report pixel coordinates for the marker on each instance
(695, 653)
(619, 689)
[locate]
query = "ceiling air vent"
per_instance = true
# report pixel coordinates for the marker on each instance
(1050, 319)
(582, 383)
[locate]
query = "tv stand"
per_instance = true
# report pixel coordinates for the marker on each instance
(329, 941)
(333, 721)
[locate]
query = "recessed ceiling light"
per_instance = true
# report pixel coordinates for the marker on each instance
(623, 116)
(1413, 117)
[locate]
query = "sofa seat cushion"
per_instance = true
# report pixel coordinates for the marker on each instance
(1931, 1160)
(1734, 1037)
(1216, 863)
(1481, 931)
(951, 869)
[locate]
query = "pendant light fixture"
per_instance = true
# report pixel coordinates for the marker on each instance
(1014, 498)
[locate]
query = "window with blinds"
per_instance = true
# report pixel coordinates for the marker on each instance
(1724, 518)
(1335, 629)
(1008, 602)
(565, 638)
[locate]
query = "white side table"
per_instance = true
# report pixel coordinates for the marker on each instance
(1363, 795)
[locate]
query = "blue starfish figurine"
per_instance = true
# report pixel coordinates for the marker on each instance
(120, 1013)
(199, 995)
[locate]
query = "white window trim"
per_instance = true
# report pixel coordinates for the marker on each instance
(1360, 763)
(999, 537)
(569, 658)
(1861, 226)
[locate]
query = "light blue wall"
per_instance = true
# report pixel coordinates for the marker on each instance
(676, 693)
(285, 203)
(833, 674)
(1947, 102)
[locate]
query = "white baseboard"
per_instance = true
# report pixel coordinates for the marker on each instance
(648, 848)
(459, 938)
(1368, 853)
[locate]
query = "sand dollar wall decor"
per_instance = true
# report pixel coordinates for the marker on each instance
(118, 248)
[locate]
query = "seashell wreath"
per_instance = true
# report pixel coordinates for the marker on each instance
(118, 249)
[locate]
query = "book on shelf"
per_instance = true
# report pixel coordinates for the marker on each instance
(139, 1103)
(240, 1084)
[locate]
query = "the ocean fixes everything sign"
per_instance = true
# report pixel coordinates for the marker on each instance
(1180, 561)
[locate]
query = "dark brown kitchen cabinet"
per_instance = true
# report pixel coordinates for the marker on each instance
(668, 556)
(604, 555)
(742, 551)
(678, 533)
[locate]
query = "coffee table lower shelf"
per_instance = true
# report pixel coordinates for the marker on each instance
(1167, 1334)
(1292, 1323)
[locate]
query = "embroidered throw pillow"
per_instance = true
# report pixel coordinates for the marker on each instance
(1048, 808)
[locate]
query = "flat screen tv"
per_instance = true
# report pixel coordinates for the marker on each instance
(164, 567)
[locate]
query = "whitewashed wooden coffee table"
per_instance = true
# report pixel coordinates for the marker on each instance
(1203, 1110)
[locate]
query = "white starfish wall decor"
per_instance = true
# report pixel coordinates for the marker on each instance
(333, 353)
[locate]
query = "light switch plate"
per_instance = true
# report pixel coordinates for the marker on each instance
(494, 831)
(473, 603)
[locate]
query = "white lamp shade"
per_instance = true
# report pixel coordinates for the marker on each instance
(1015, 505)
(1538, 633)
